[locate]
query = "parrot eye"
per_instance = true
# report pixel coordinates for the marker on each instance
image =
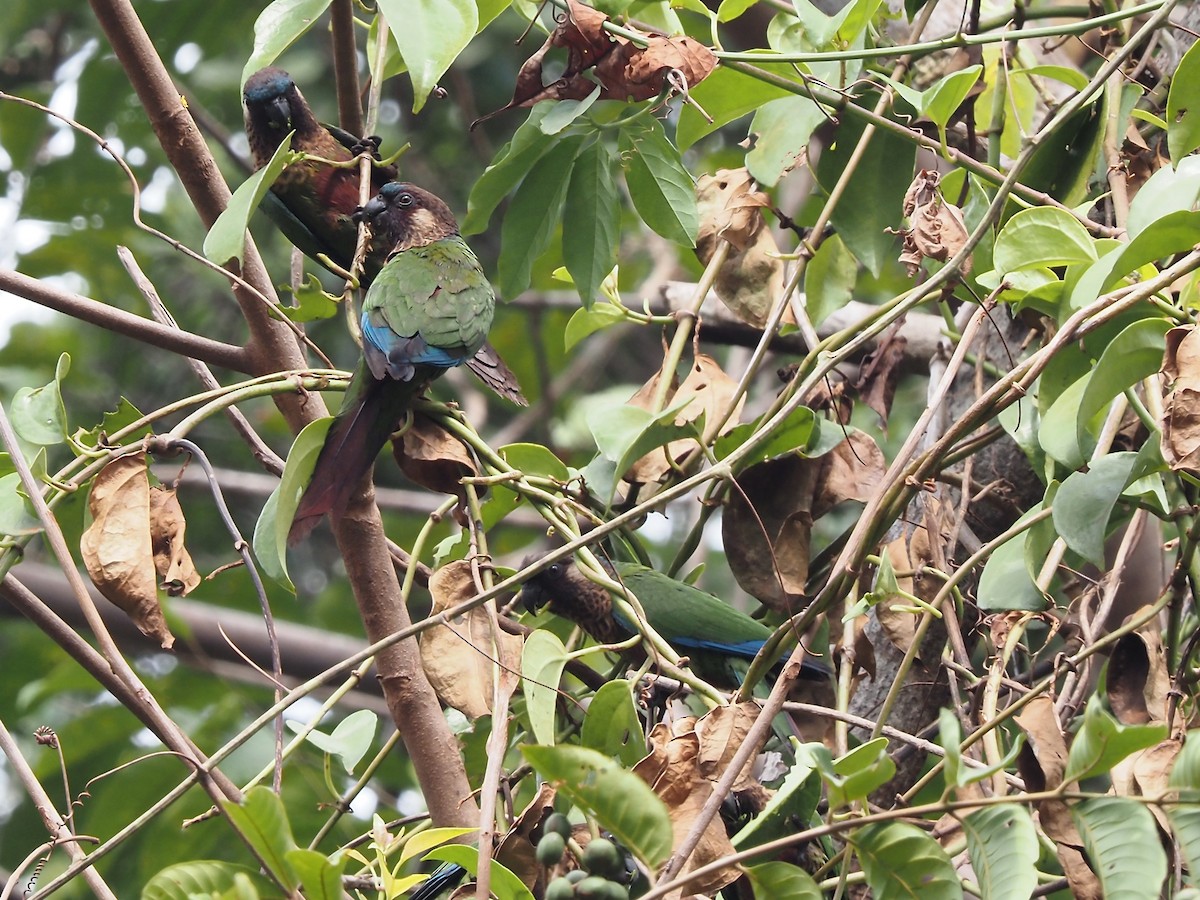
(405, 200)
(554, 571)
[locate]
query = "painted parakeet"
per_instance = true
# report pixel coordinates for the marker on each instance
(313, 203)
(429, 309)
(718, 639)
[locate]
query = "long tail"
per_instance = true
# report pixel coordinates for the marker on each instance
(362, 426)
(491, 370)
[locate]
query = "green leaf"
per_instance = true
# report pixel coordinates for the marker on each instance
(113, 422)
(1185, 823)
(1003, 847)
(612, 726)
(624, 434)
(505, 885)
(591, 227)
(534, 459)
(312, 302)
(269, 550)
(792, 434)
(1135, 353)
(942, 100)
(1171, 233)
(1183, 107)
(16, 515)
(1123, 847)
(489, 10)
(1185, 773)
(38, 415)
(262, 822)
(1005, 582)
(795, 801)
(350, 740)
(226, 239)
(1073, 78)
(1102, 742)
(590, 319)
(874, 197)
(1085, 502)
(1058, 434)
(270, 543)
(621, 802)
(202, 877)
(511, 164)
(732, 9)
(534, 213)
(1042, 236)
(853, 776)
(1166, 191)
(901, 861)
(277, 28)
(564, 112)
(829, 279)
(725, 95)
(773, 880)
(320, 877)
(661, 188)
(430, 35)
(542, 661)
(782, 128)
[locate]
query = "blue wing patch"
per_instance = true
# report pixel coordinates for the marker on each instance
(391, 354)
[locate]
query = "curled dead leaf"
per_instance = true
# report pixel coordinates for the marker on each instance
(432, 457)
(880, 371)
(117, 549)
(622, 69)
(176, 571)
(899, 626)
(936, 229)
(752, 280)
(1138, 681)
(1181, 411)
(707, 391)
(672, 769)
(461, 657)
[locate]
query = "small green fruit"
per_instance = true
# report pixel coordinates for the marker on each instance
(550, 848)
(560, 889)
(601, 857)
(592, 888)
(558, 824)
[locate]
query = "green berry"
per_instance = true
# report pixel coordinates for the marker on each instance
(560, 889)
(557, 823)
(550, 848)
(601, 857)
(617, 891)
(576, 875)
(592, 888)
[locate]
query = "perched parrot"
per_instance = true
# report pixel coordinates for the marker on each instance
(718, 640)
(313, 203)
(429, 309)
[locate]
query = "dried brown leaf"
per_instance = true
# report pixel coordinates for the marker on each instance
(880, 371)
(853, 470)
(1181, 412)
(117, 549)
(1138, 681)
(176, 571)
(767, 529)
(722, 731)
(624, 70)
(935, 228)
(516, 852)
(752, 280)
(672, 769)
(899, 626)
(460, 657)
(707, 391)
(432, 457)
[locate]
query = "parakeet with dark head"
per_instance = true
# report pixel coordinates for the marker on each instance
(718, 639)
(314, 203)
(428, 310)
(316, 200)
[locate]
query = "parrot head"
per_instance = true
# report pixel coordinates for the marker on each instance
(542, 588)
(403, 215)
(270, 96)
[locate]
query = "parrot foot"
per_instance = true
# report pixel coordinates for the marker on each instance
(369, 145)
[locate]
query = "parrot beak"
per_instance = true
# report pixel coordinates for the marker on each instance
(279, 113)
(534, 597)
(368, 213)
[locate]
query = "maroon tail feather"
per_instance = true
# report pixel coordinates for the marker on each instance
(358, 433)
